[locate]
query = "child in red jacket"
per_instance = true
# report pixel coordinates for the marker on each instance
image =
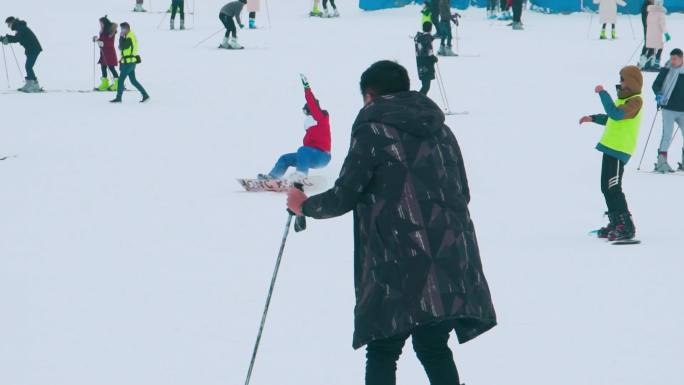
(108, 59)
(315, 153)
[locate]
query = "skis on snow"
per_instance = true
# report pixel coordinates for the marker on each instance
(279, 185)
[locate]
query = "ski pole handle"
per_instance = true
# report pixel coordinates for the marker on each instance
(300, 221)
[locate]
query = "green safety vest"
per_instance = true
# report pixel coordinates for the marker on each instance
(129, 55)
(622, 135)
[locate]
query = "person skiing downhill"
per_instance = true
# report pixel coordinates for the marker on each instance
(417, 267)
(108, 58)
(128, 44)
(656, 22)
(608, 14)
(622, 119)
(177, 7)
(27, 39)
(425, 58)
(315, 152)
(669, 90)
(228, 12)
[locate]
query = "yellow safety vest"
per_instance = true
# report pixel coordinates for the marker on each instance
(130, 55)
(622, 135)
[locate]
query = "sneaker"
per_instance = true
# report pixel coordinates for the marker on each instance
(145, 98)
(115, 100)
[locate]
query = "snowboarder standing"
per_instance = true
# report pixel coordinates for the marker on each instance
(177, 7)
(139, 6)
(669, 90)
(27, 39)
(128, 44)
(108, 59)
(656, 22)
(417, 268)
(425, 58)
(608, 14)
(315, 153)
(622, 119)
(228, 12)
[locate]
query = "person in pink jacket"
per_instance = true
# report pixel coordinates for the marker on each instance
(608, 14)
(656, 29)
(253, 6)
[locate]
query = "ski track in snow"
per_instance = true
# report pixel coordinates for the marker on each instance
(127, 258)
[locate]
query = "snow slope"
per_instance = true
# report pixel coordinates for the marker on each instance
(128, 255)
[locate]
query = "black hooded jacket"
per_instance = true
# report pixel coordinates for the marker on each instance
(416, 258)
(25, 37)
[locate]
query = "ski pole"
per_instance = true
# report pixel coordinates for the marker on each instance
(4, 59)
(212, 35)
(648, 139)
(17, 61)
(161, 21)
(94, 65)
(444, 93)
(268, 14)
(631, 26)
(591, 20)
(635, 51)
(290, 214)
(193, 14)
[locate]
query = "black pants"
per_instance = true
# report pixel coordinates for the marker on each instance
(517, 10)
(425, 86)
(112, 69)
(491, 5)
(178, 6)
(651, 51)
(325, 4)
(604, 26)
(30, 63)
(611, 184)
(430, 345)
(504, 5)
(252, 15)
(229, 24)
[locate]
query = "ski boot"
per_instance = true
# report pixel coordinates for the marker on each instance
(252, 24)
(624, 228)
(681, 165)
(602, 36)
(505, 16)
(25, 87)
(491, 15)
(315, 12)
(139, 8)
(335, 13)
(33, 86)
(603, 232)
(441, 51)
(233, 44)
(298, 177)
(450, 52)
(518, 26)
(182, 24)
(643, 59)
(662, 166)
(173, 24)
(613, 34)
(104, 85)
(225, 43)
(115, 85)
(265, 177)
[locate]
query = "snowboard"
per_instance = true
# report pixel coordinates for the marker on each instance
(617, 243)
(279, 185)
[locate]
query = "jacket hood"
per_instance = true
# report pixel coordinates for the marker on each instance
(18, 24)
(409, 111)
(634, 81)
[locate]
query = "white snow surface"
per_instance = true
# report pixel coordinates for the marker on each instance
(129, 255)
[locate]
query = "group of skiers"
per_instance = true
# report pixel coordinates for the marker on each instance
(501, 10)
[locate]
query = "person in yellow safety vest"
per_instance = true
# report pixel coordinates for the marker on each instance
(622, 120)
(128, 44)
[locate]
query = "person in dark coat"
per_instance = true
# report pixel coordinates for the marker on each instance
(425, 58)
(27, 39)
(108, 59)
(417, 268)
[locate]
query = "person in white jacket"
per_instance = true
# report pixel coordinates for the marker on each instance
(608, 14)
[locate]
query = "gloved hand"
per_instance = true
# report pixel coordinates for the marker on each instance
(5, 40)
(94, 39)
(242, 26)
(659, 98)
(667, 37)
(305, 81)
(100, 43)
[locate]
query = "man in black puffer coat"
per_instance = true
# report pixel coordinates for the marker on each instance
(32, 48)
(417, 266)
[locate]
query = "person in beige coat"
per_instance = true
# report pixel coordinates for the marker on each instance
(253, 6)
(608, 14)
(656, 29)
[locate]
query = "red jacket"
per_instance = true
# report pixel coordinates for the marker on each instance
(108, 51)
(317, 136)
